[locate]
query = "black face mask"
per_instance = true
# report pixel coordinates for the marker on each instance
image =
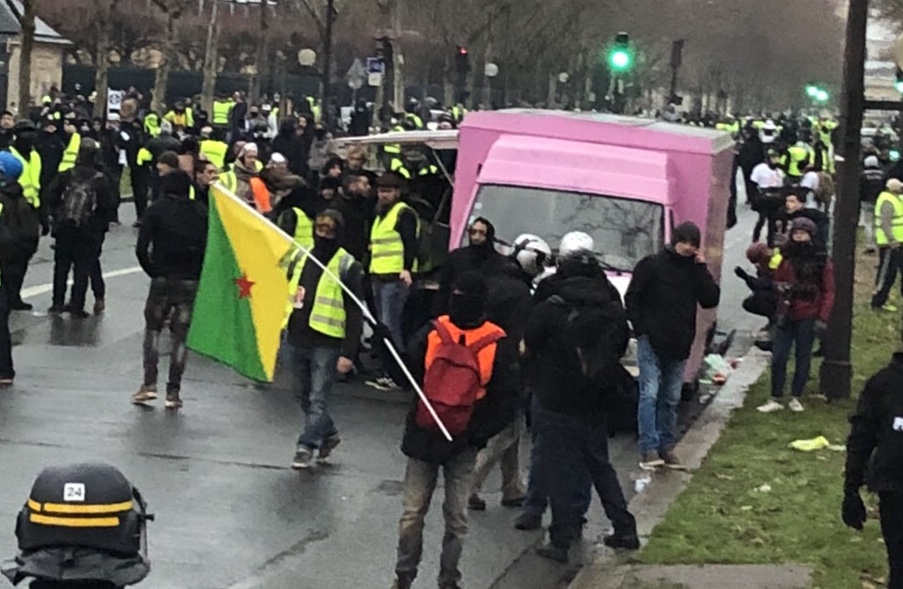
(325, 248)
(466, 311)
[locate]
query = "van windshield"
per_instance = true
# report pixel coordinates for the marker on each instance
(624, 231)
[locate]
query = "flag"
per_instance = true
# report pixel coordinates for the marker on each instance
(242, 300)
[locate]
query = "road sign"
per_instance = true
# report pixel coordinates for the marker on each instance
(898, 52)
(356, 75)
(114, 100)
(375, 80)
(376, 65)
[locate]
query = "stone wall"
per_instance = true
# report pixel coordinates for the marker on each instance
(46, 70)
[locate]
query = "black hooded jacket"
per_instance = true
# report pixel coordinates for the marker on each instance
(481, 258)
(662, 299)
(173, 233)
(582, 309)
(291, 145)
(875, 445)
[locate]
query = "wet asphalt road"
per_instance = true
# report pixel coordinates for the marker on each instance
(230, 513)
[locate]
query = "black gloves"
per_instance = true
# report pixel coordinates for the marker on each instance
(853, 510)
(45, 228)
(741, 273)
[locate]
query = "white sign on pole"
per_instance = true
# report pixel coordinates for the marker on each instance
(898, 52)
(114, 101)
(375, 80)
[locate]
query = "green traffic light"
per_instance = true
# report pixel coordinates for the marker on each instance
(899, 86)
(822, 96)
(620, 59)
(812, 91)
(894, 155)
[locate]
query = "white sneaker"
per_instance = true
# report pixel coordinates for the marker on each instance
(770, 407)
(795, 405)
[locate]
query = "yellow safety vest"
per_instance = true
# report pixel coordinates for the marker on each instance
(386, 247)
(30, 180)
(152, 126)
(184, 120)
(394, 147)
(229, 180)
(800, 157)
(71, 153)
(215, 151)
(881, 238)
(304, 229)
(327, 315)
(414, 120)
(398, 166)
(144, 156)
(221, 110)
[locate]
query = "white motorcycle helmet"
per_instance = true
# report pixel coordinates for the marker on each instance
(575, 241)
(531, 252)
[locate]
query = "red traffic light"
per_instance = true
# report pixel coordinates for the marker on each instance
(462, 50)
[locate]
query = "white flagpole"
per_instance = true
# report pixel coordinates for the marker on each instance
(386, 341)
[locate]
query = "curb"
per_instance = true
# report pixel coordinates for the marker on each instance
(651, 505)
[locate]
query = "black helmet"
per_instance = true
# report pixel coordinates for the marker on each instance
(82, 522)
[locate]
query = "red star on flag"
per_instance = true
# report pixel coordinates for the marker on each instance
(244, 286)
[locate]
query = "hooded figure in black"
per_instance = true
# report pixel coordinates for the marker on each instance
(479, 256)
(291, 145)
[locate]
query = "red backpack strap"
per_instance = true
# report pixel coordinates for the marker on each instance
(444, 335)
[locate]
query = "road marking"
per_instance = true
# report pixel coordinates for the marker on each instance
(33, 291)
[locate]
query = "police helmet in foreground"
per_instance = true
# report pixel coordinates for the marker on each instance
(82, 524)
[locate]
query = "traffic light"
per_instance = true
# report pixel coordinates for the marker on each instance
(898, 84)
(621, 54)
(462, 60)
(812, 91)
(817, 93)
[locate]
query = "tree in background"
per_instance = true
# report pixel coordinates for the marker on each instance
(27, 23)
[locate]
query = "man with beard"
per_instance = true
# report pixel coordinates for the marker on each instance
(7, 122)
(324, 330)
(479, 256)
(804, 282)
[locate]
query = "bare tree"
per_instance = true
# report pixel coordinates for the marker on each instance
(27, 23)
(104, 29)
(211, 58)
(172, 10)
(261, 58)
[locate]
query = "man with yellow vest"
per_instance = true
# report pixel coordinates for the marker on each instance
(181, 118)
(798, 157)
(324, 329)
(73, 142)
(23, 150)
(392, 265)
(221, 109)
(213, 148)
(889, 237)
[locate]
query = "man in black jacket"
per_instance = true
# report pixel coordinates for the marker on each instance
(427, 449)
(170, 249)
(871, 184)
(662, 298)
(875, 458)
(82, 202)
(576, 339)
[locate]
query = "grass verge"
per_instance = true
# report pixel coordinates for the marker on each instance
(757, 501)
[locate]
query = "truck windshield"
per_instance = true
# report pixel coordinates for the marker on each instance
(624, 230)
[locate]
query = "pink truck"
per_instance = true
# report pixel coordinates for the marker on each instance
(625, 181)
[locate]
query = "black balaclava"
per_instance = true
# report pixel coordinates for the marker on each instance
(24, 141)
(325, 247)
(467, 305)
(487, 247)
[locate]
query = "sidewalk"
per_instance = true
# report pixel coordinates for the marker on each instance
(604, 571)
(697, 577)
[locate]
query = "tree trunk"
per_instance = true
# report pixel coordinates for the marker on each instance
(448, 85)
(551, 98)
(260, 59)
(326, 89)
(102, 55)
(27, 38)
(161, 78)
(211, 60)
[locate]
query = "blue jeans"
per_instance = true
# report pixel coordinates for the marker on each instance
(803, 333)
(390, 298)
(660, 384)
(538, 485)
(314, 370)
(576, 448)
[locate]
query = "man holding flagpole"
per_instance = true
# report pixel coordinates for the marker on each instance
(323, 331)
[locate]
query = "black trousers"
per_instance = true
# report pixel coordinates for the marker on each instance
(79, 251)
(139, 177)
(6, 345)
(115, 174)
(13, 276)
(892, 530)
(890, 263)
